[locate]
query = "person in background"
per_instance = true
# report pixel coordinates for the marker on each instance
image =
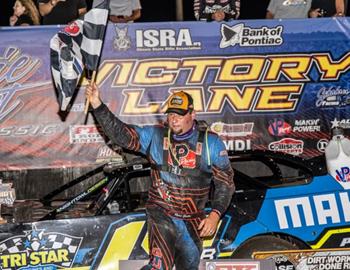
(288, 9)
(61, 11)
(327, 8)
(186, 161)
(124, 11)
(24, 13)
(216, 10)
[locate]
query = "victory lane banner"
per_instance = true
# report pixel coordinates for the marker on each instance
(321, 259)
(279, 85)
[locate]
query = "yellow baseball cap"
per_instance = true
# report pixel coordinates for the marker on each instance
(180, 103)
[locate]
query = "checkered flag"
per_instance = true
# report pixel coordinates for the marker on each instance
(77, 46)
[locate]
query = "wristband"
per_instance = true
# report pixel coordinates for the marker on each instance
(216, 212)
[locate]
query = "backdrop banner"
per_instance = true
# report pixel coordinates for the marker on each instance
(261, 84)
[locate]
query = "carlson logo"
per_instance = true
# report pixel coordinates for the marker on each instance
(279, 127)
(165, 39)
(245, 36)
(288, 145)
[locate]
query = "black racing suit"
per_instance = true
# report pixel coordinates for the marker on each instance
(203, 9)
(182, 173)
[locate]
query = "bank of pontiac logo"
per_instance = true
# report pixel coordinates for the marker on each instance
(245, 36)
(231, 35)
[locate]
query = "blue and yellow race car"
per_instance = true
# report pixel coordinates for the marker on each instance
(281, 202)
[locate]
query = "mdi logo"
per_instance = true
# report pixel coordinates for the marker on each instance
(165, 39)
(245, 36)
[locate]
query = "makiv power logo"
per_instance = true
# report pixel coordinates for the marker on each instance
(245, 36)
(38, 249)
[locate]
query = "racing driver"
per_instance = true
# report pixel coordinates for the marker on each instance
(186, 161)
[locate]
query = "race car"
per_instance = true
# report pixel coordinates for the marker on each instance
(281, 202)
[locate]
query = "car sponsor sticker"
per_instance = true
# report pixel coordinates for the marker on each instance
(39, 248)
(288, 145)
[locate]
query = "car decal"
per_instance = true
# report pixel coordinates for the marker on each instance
(308, 212)
(38, 248)
(106, 252)
(123, 242)
(330, 234)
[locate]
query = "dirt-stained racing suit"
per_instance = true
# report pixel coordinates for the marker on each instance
(182, 171)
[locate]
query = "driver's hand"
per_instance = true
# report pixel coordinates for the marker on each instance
(92, 93)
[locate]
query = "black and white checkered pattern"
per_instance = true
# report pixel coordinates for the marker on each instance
(12, 245)
(61, 241)
(77, 45)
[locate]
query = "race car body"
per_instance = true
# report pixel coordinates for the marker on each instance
(281, 202)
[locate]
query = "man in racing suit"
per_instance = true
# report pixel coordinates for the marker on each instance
(216, 10)
(185, 161)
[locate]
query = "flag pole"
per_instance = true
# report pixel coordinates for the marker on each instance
(87, 102)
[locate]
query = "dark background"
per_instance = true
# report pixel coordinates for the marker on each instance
(163, 10)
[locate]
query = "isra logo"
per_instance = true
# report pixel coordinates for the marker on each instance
(165, 39)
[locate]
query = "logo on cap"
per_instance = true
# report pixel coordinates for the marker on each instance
(176, 100)
(180, 103)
